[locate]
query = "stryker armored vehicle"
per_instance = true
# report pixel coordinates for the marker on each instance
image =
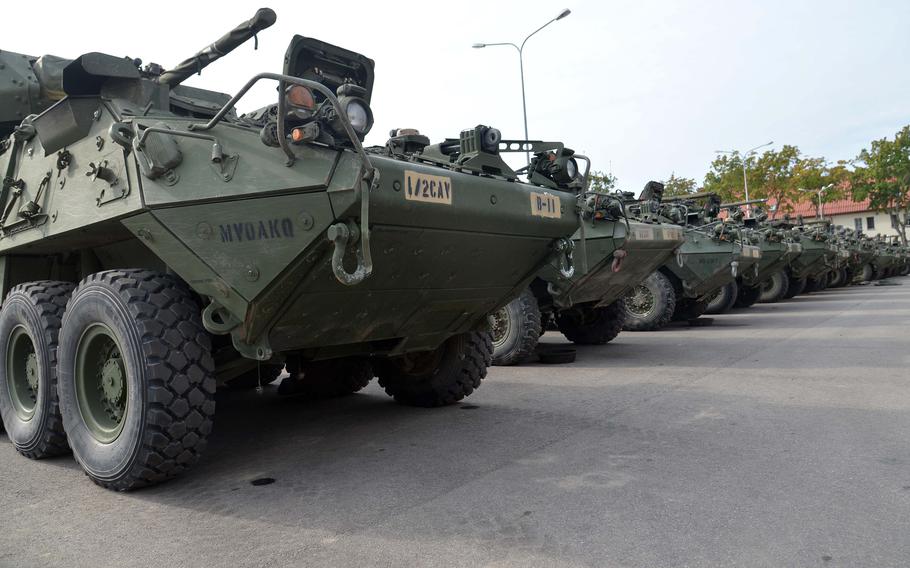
(714, 254)
(777, 249)
(844, 242)
(153, 243)
(863, 269)
(616, 254)
(809, 271)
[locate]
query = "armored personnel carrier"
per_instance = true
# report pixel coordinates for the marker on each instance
(776, 251)
(809, 271)
(153, 243)
(714, 255)
(618, 253)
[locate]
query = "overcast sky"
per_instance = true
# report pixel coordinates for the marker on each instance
(643, 87)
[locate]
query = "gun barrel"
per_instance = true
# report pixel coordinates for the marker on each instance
(700, 195)
(264, 18)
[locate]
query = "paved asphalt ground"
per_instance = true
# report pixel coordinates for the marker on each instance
(779, 436)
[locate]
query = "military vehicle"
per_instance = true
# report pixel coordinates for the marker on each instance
(713, 255)
(844, 242)
(777, 250)
(810, 266)
(588, 308)
(817, 235)
(154, 243)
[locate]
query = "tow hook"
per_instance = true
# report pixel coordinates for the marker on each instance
(618, 257)
(340, 234)
(564, 248)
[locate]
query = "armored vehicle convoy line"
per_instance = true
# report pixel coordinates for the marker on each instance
(153, 243)
(587, 309)
(777, 251)
(713, 255)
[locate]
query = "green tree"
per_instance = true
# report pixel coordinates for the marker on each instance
(882, 174)
(776, 175)
(601, 182)
(675, 186)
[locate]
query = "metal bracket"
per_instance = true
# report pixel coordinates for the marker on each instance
(226, 167)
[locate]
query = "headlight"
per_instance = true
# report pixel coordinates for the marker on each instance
(359, 115)
(572, 168)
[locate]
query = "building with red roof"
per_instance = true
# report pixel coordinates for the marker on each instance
(846, 212)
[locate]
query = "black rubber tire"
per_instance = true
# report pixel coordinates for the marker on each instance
(169, 371)
(557, 355)
(332, 378)
(661, 291)
(439, 377)
(689, 309)
(747, 297)
(849, 276)
(38, 308)
(795, 288)
(262, 375)
(774, 288)
(816, 284)
(592, 325)
(837, 278)
(523, 328)
(723, 300)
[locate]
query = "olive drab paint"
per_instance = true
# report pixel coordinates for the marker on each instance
(320, 247)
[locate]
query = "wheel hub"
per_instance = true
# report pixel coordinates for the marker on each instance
(500, 326)
(111, 385)
(102, 385)
(31, 373)
(641, 301)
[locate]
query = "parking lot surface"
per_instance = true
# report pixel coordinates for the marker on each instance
(778, 436)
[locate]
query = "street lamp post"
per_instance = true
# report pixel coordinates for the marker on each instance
(521, 66)
(820, 210)
(745, 156)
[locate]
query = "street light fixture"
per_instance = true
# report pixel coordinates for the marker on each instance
(521, 63)
(745, 156)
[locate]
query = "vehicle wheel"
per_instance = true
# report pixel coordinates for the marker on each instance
(747, 297)
(867, 273)
(592, 325)
(795, 288)
(650, 304)
(848, 277)
(136, 378)
(689, 309)
(328, 379)
(439, 377)
(837, 278)
(29, 326)
(816, 284)
(516, 328)
(722, 301)
(773, 289)
(262, 375)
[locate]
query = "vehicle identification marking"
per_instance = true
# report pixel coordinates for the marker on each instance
(257, 230)
(545, 205)
(672, 233)
(427, 188)
(752, 252)
(642, 233)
